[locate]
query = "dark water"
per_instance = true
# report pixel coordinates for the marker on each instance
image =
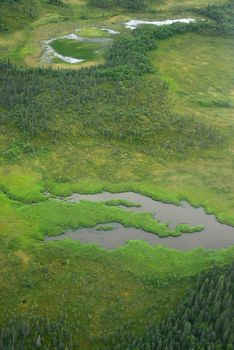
(215, 234)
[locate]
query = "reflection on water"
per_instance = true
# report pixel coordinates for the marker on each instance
(215, 234)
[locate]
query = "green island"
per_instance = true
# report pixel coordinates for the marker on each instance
(148, 111)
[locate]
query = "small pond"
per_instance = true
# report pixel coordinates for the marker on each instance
(74, 48)
(215, 234)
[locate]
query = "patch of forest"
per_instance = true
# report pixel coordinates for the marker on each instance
(132, 5)
(15, 14)
(119, 100)
(202, 320)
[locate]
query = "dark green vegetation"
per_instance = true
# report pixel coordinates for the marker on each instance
(126, 106)
(15, 13)
(117, 202)
(91, 292)
(203, 320)
(142, 121)
(221, 14)
(36, 333)
(75, 49)
(132, 5)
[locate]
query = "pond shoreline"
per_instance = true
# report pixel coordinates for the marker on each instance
(215, 234)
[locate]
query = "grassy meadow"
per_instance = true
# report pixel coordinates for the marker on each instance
(191, 89)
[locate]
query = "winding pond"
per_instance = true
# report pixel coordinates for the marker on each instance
(215, 234)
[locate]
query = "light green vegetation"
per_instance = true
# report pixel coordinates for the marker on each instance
(21, 184)
(92, 32)
(189, 229)
(77, 49)
(52, 217)
(203, 80)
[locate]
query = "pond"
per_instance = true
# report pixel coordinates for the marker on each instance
(73, 48)
(215, 234)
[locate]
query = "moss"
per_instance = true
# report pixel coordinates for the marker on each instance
(76, 49)
(184, 228)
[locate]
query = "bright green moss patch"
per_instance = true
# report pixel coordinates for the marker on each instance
(185, 228)
(76, 49)
(92, 33)
(53, 217)
(21, 183)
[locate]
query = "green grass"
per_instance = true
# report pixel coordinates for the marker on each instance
(21, 184)
(201, 80)
(189, 229)
(93, 32)
(76, 49)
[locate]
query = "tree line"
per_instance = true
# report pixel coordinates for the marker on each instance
(117, 100)
(132, 5)
(38, 332)
(204, 320)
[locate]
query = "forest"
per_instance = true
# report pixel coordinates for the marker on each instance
(202, 320)
(132, 5)
(122, 109)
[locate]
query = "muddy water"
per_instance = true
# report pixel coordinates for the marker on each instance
(215, 234)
